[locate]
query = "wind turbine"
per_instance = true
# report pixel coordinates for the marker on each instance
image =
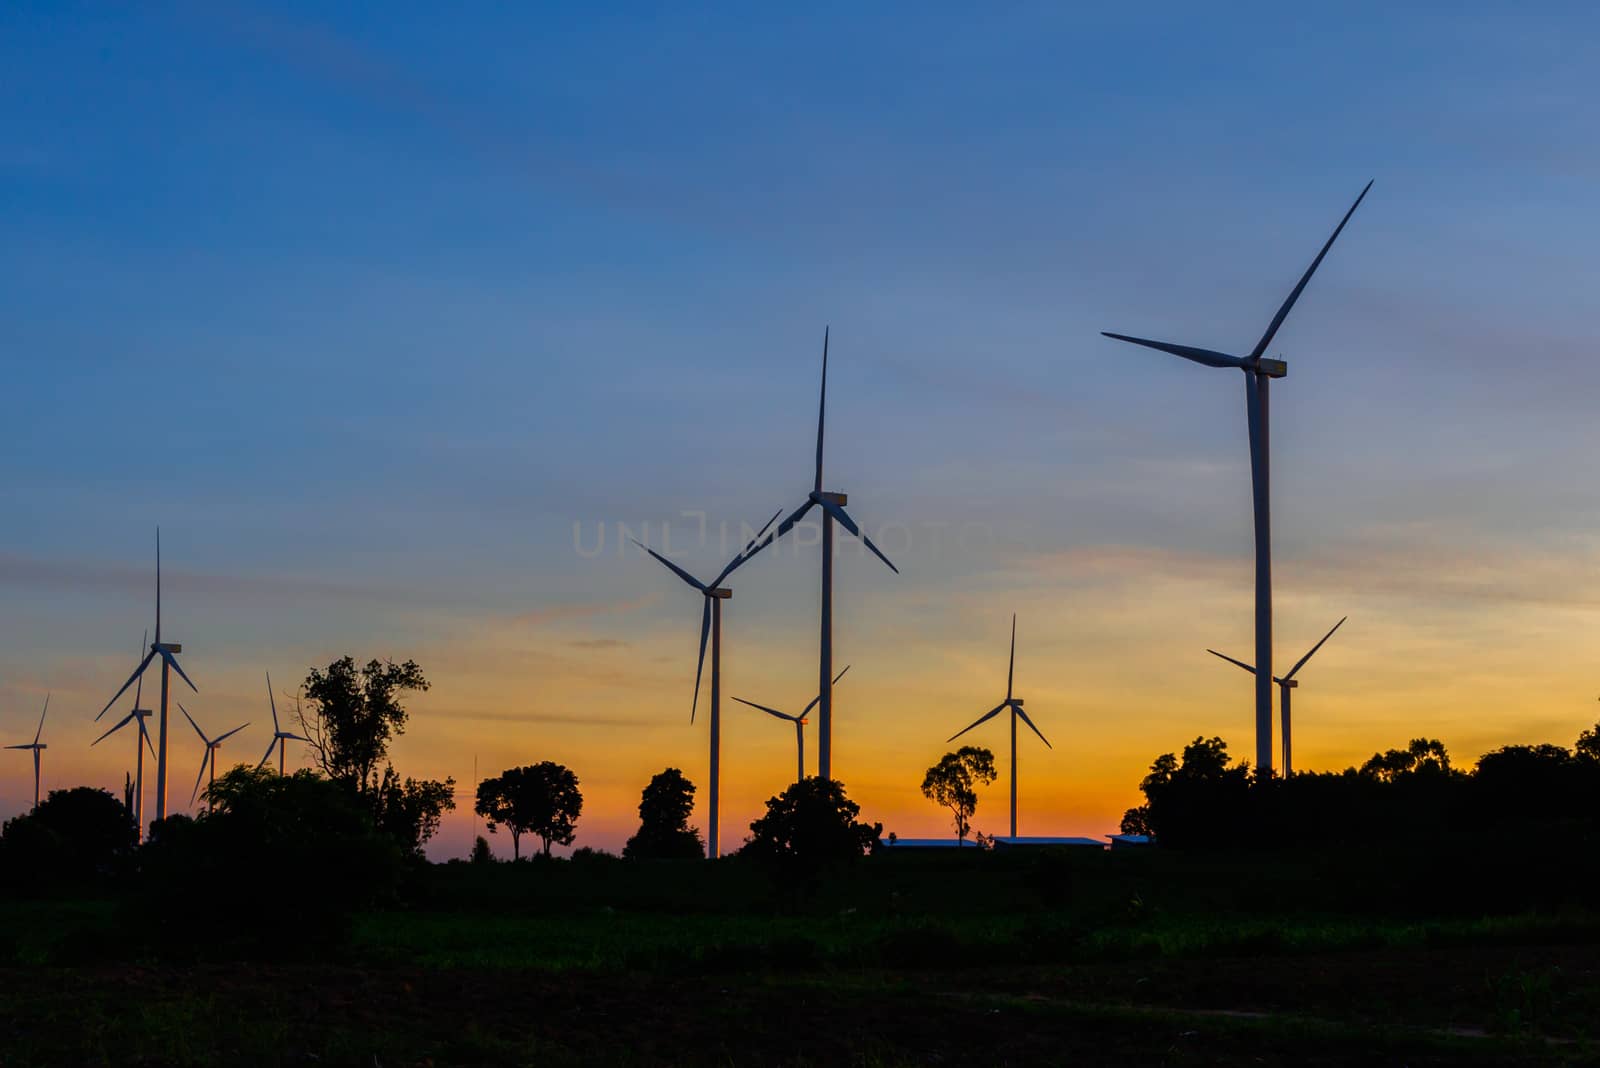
(832, 505)
(279, 735)
(1259, 371)
(209, 760)
(37, 746)
(168, 652)
(1015, 705)
(799, 726)
(139, 746)
(1286, 685)
(714, 593)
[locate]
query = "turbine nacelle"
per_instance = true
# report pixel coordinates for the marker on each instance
(168, 647)
(1272, 368)
(721, 593)
(829, 497)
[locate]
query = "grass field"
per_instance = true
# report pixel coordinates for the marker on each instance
(918, 960)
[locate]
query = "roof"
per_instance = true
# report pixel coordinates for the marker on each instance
(1129, 839)
(924, 843)
(1007, 843)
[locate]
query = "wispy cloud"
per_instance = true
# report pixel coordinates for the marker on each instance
(556, 613)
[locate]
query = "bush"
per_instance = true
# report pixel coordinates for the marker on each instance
(281, 862)
(74, 837)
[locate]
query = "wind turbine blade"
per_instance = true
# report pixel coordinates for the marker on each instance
(138, 671)
(144, 732)
(788, 523)
(1209, 357)
(1252, 394)
(293, 737)
(138, 692)
(818, 699)
(46, 712)
(1011, 669)
(230, 734)
(1283, 312)
(121, 724)
(700, 665)
(273, 701)
(209, 757)
(268, 756)
(822, 408)
(768, 711)
(676, 570)
(170, 659)
(1231, 660)
(745, 553)
(1302, 661)
(844, 520)
(158, 585)
(1018, 710)
(986, 717)
(193, 724)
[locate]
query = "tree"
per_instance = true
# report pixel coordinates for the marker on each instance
(74, 834)
(664, 831)
(295, 855)
(541, 799)
(481, 854)
(810, 825)
(354, 715)
(1588, 747)
(1199, 799)
(1424, 756)
(1136, 821)
(953, 783)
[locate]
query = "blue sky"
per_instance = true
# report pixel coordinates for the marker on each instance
(367, 307)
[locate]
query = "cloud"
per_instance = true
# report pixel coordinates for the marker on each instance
(599, 643)
(31, 572)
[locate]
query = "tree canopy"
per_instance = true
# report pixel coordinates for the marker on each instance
(953, 783)
(354, 714)
(541, 799)
(812, 824)
(664, 832)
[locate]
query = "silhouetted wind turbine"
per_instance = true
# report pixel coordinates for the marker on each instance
(714, 593)
(140, 744)
(167, 651)
(209, 760)
(1259, 371)
(1015, 705)
(1285, 684)
(38, 747)
(279, 735)
(832, 505)
(799, 726)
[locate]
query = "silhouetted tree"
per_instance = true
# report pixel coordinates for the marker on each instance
(664, 831)
(481, 854)
(281, 860)
(541, 799)
(1424, 756)
(73, 835)
(810, 825)
(1588, 747)
(1199, 799)
(1136, 821)
(354, 714)
(953, 783)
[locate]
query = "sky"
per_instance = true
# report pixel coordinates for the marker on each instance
(400, 323)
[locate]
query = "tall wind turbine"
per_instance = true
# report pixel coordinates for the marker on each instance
(1286, 685)
(1259, 371)
(713, 593)
(140, 744)
(1015, 705)
(38, 747)
(209, 760)
(279, 735)
(799, 726)
(168, 652)
(832, 505)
